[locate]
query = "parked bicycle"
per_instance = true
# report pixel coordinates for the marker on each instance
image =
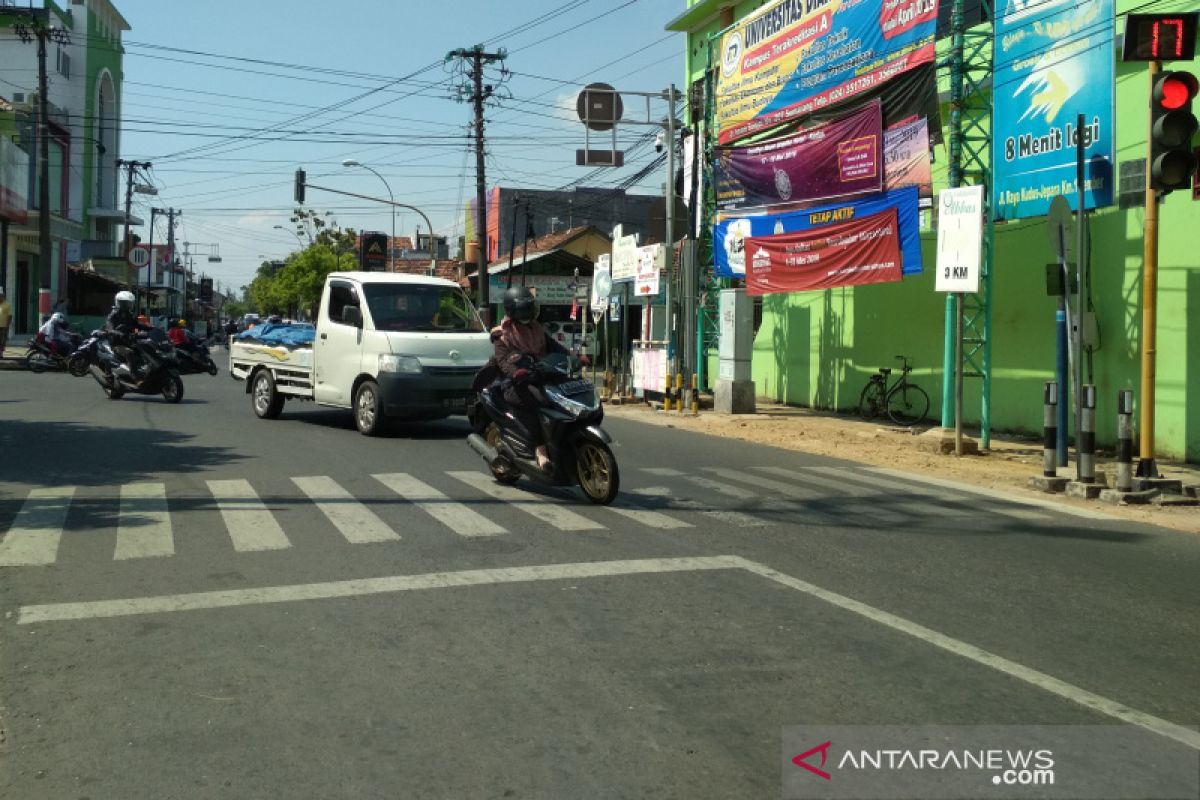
(905, 403)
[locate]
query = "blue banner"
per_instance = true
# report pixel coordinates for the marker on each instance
(730, 234)
(1053, 61)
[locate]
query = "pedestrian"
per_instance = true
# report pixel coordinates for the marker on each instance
(5, 322)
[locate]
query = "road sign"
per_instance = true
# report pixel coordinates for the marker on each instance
(601, 284)
(624, 257)
(650, 263)
(960, 236)
(139, 256)
(599, 106)
(1061, 227)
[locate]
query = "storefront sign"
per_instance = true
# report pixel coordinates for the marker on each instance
(730, 235)
(551, 290)
(794, 57)
(624, 257)
(652, 259)
(840, 158)
(1054, 61)
(860, 251)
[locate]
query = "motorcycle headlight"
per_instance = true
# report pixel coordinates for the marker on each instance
(409, 365)
(572, 404)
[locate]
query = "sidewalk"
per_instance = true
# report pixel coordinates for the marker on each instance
(1007, 467)
(12, 355)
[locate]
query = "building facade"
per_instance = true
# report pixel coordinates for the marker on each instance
(818, 348)
(84, 75)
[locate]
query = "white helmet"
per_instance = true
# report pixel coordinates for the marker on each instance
(125, 300)
(58, 318)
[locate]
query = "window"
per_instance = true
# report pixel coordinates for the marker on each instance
(340, 295)
(423, 308)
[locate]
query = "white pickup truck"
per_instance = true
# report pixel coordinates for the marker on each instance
(385, 345)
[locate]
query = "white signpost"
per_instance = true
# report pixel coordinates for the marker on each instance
(650, 262)
(624, 257)
(960, 239)
(601, 284)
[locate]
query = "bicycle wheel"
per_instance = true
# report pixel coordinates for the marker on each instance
(870, 402)
(907, 405)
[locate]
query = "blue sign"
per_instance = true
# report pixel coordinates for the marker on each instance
(1053, 61)
(730, 234)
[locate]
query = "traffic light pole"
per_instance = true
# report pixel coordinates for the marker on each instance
(1146, 467)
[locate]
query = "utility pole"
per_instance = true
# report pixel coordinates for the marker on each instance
(478, 94)
(39, 28)
(171, 214)
(131, 168)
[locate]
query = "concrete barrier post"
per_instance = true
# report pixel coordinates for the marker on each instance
(695, 397)
(1050, 429)
(1125, 440)
(1087, 435)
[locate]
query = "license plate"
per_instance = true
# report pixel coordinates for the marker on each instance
(455, 402)
(574, 387)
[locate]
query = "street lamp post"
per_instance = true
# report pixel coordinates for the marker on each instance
(294, 233)
(350, 162)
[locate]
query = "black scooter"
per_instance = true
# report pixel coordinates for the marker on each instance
(157, 372)
(578, 446)
(194, 358)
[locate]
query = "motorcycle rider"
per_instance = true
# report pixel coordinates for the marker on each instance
(178, 334)
(520, 342)
(56, 335)
(124, 326)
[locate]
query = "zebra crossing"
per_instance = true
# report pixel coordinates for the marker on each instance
(765, 497)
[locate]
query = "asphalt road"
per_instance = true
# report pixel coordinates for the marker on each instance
(197, 603)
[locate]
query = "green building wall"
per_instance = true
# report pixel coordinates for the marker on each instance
(818, 348)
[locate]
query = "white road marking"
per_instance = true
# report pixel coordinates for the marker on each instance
(453, 515)
(788, 489)
(841, 487)
(997, 495)
(703, 482)
(144, 530)
(652, 519)
(251, 526)
(35, 533)
(547, 511)
(735, 519)
(227, 598)
(1033, 677)
(359, 524)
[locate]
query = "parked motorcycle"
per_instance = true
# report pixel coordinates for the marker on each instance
(41, 357)
(578, 446)
(157, 373)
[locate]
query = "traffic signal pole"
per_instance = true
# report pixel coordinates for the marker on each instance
(1146, 467)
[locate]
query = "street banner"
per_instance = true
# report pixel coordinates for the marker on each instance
(794, 57)
(840, 158)
(906, 158)
(860, 251)
(959, 239)
(730, 234)
(1054, 61)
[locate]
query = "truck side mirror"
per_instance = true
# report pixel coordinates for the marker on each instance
(352, 315)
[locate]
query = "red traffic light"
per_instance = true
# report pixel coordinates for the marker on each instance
(1175, 89)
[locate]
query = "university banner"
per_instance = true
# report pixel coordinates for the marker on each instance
(852, 253)
(1054, 61)
(730, 234)
(794, 57)
(840, 158)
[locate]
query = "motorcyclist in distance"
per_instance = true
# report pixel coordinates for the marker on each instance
(123, 326)
(178, 333)
(57, 335)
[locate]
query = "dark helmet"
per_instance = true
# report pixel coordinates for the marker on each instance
(520, 304)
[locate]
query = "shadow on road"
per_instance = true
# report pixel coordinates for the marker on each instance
(54, 453)
(432, 430)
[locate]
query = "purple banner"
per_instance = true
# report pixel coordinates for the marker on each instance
(840, 158)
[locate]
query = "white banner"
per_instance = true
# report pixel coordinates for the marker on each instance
(960, 238)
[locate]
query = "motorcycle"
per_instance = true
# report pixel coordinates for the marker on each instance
(158, 372)
(40, 356)
(85, 354)
(578, 446)
(194, 358)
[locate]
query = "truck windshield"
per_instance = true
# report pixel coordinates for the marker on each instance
(416, 307)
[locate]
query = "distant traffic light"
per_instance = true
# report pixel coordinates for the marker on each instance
(299, 192)
(1172, 126)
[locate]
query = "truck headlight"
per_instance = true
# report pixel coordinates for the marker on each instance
(403, 364)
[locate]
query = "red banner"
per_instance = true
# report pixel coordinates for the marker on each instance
(859, 251)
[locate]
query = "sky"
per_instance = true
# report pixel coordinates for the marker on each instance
(227, 98)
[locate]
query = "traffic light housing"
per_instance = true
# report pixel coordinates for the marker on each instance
(299, 191)
(1172, 126)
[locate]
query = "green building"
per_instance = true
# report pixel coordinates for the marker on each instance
(818, 348)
